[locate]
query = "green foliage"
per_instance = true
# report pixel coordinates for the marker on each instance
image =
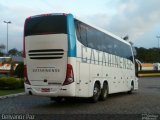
(10, 83)
(1, 54)
(7, 92)
(13, 52)
(2, 47)
(19, 71)
(151, 55)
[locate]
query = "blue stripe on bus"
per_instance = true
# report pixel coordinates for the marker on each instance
(71, 36)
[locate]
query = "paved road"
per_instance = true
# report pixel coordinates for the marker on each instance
(146, 101)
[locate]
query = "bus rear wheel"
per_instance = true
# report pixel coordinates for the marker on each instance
(104, 92)
(96, 93)
(132, 88)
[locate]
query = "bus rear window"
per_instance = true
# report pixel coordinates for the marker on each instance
(46, 25)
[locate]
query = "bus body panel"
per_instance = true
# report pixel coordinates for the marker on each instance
(50, 73)
(65, 91)
(92, 67)
(39, 65)
(56, 90)
(71, 36)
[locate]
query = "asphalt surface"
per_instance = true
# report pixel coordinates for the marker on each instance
(144, 103)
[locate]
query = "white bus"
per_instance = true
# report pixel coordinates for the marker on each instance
(65, 57)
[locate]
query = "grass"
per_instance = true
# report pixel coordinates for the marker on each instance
(8, 92)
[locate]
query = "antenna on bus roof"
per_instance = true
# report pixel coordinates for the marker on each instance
(126, 38)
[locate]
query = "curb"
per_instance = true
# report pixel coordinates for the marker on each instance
(11, 95)
(149, 74)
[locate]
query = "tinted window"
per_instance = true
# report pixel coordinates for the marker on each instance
(46, 25)
(81, 31)
(109, 43)
(128, 53)
(95, 39)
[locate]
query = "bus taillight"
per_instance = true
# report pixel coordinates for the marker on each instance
(64, 14)
(25, 76)
(69, 75)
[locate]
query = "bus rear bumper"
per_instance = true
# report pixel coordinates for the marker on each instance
(51, 91)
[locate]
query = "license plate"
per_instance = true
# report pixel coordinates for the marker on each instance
(45, 89)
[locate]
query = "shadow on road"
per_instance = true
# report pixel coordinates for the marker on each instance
(71, 103)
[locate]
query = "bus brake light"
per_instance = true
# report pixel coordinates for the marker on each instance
(69, 75)
(25, 76)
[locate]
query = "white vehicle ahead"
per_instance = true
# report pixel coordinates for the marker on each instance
(156, 66)
(65, 57)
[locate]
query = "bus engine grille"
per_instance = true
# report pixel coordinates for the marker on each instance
(46, 54)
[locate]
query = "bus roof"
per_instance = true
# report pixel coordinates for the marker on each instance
(91, 25)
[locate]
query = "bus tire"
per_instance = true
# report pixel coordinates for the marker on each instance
(96, 93)
(132, 88)
(104, 92)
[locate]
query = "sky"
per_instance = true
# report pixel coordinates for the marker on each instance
(139, 19)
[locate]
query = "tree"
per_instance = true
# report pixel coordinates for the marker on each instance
(2, 47)
(151, 55)
(13, 52)
(20, 53)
